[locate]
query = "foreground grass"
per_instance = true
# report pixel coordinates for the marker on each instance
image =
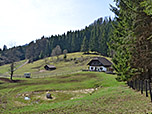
(112, 97)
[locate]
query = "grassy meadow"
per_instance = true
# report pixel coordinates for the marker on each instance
(73, 92)
(75, 62)
(79, 93)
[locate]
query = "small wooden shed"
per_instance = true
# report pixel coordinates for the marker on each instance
(49, 67)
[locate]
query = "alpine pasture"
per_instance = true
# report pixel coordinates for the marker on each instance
(72, 91)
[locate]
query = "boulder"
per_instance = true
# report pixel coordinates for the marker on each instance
(48, 96)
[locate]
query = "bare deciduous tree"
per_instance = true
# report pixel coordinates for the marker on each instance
(11, 70)
(12, 60)
(56, 51)
(65, 51)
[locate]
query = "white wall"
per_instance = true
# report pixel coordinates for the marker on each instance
(92, 68)
(102, 68)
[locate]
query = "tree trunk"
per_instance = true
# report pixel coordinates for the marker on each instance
(149, 75)
(12, 71)
(11, 76)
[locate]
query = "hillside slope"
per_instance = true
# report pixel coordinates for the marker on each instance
(75, 62)
(80, 93)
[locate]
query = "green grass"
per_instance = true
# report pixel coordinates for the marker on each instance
(63, 68)
(5, 68)
(111, 96)
(73, 93)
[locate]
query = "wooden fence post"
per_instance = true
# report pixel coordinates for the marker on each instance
(146, 89)
(141, 86)
(132, 84)
(135, 84)
(150, 90)
(128, 83)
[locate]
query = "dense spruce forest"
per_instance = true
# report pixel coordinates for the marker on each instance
(131, 44)
(95, 37)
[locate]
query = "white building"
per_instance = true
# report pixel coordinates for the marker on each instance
(100, 64)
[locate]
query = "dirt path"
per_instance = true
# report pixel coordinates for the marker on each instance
(22, 65)
(16, 68)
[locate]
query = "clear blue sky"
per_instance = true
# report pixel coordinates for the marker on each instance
(22, 21)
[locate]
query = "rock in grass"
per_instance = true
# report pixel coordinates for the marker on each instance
(26, 98)
(48, 96)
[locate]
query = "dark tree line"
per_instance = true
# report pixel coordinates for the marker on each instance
(131, 44)
(12, 55)
(93, 38)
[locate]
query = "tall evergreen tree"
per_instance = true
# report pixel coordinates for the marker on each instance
(131, 43)
(142, 51)
(84, 46)
(120, 43)
(4, 47)
(94, 40)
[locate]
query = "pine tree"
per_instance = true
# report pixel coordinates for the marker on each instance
(132, 43)
(94, 40)
(142, 51)
(4, 48)
(120, 43)
(84, 46)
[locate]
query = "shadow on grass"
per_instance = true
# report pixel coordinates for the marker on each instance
(11, 81)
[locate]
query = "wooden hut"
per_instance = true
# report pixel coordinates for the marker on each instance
(49, 67)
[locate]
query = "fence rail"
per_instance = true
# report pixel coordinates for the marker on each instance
(142, 86)
(47, 75)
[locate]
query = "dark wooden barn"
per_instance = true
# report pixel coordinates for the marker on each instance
(49, 67)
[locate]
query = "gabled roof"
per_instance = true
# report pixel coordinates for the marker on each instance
(50, 66)
(102, 60)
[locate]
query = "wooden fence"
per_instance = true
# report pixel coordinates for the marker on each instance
(142, 86)
(47, 75)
